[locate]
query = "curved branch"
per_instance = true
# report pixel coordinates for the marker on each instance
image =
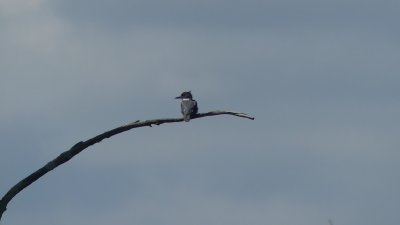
(82, 145)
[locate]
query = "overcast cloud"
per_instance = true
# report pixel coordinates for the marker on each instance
(321, 78)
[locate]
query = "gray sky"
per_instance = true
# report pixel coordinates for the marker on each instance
(321, 78)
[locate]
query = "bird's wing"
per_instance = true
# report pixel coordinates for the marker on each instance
(195, 107)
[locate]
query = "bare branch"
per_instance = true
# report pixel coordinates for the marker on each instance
(82, 145)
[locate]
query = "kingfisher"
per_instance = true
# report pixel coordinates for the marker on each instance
(188, 105)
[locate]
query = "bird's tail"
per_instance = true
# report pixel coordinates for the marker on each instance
(186, 117)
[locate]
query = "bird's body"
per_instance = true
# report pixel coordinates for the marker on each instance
(189, 106)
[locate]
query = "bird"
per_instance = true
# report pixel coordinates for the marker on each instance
(188, 105)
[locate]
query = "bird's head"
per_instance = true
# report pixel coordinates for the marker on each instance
(185, 95)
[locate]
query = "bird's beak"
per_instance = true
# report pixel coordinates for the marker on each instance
(179, 97)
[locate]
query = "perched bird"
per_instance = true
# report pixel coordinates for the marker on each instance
(188, 105)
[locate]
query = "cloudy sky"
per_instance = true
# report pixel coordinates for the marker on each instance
(321, 77)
